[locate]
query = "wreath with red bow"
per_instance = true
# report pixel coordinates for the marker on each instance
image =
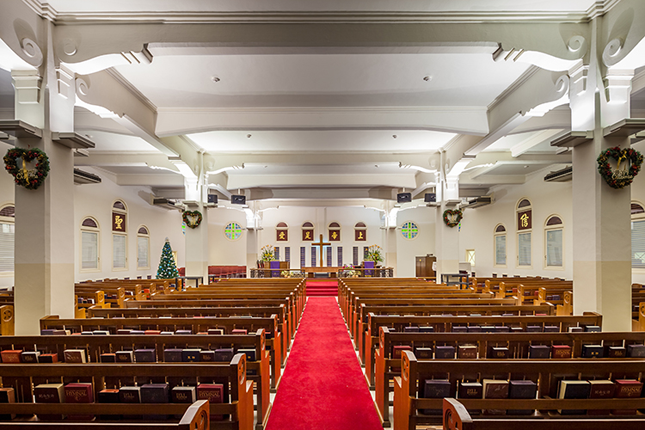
(619, 178)
(192, 218)
(452, 218)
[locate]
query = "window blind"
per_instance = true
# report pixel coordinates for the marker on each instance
(142, 252)
(524, 249)
(118, 251)
(638, 244)
(90, 248)
(500, 250)
(554, 248)
(7, 241)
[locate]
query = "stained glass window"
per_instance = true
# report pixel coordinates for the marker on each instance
(409, 230)
(233, 231)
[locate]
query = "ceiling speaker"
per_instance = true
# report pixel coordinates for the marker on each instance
(212, 198)
(430, 198)
(238, 199)
(404, 197)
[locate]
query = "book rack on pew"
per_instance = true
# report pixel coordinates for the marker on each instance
(411, 409)
(508, 345)
(154, 348)
(235, 412)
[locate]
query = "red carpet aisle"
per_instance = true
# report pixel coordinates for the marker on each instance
(322, 288)
(323, 387)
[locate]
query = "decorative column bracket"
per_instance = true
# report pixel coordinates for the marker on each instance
(625, 128)
(18, 128)
(573, 139)
(72, 140)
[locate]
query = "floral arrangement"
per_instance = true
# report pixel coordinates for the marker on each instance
(375, 254)
(348, 270)
(30, 179)
(267, 253)
(619, 178)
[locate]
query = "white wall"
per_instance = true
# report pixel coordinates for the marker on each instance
(478, 225)
(223, 251)
(7, 193)
(347, 217)
(422, 245)
(96, 200)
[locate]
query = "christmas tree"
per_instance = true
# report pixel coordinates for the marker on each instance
(167, 268)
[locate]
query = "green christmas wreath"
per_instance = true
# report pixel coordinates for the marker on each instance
(192, 218)
(619, 178)
(457, 214)
(28, 178)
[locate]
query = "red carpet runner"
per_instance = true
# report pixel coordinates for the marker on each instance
(322, 288)
(323, 387)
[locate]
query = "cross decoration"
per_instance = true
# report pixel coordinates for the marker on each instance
(321, 244)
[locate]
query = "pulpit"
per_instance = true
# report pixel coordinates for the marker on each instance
(368, 265)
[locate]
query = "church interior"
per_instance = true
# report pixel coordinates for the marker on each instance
(343, 191)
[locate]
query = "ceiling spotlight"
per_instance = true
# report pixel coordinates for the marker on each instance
(248, 136)
(394, 136)
(427, 78)
(526, 167)
(376, 165)
(215, 79)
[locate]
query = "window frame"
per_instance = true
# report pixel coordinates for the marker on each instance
(96, 230)
(12, 221)
(499, 234)
(146, 236)
(468, 253)
(411, 223)
(528, 231)
(124, 235)
(547, 229)
(638, 217)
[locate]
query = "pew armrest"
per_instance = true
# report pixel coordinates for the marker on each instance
(455, 415)
(197, 416)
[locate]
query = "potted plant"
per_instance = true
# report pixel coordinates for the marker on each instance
(375, 254)
(267, 254)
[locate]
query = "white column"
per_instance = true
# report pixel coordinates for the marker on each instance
(601, 214)
(446, 238)
(44, 249)
(196, 239)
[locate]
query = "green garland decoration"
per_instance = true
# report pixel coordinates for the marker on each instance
(189, 223)
(619, 178)
(448, 212)
(30, 179)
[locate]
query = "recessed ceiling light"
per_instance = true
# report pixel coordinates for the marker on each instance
(427, 78)
(526, 167)
(376, 165)
(215, 79)
(394, 136)
(248, 136)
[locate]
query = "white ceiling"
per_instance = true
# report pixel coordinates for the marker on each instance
(322, 80)
(321, 141)
(158, 6)
(113, 142)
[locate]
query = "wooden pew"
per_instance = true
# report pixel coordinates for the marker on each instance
(456, 417)
(94, 346)
(386, 366)
(7, 320)
(196, 325)
(238, 405)
(444, 323)
(407, 402)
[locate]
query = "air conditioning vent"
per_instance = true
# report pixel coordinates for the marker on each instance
(563, 175)
(480, 201)
(164, 203)
(82, 177)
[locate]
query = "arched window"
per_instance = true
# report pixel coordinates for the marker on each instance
(360, 232)
(7, 238)
(282, 232)
(307, 232)
(524, 229)
(334, 232)
(638, 236)
(90, 239)
(119, 236)
(553, 242)
(143, 248)
(500, 245)
(409, 230)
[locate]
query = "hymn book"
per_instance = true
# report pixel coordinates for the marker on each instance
(214, 393)
(522, 389)
(49, 393)
(11, 355)
(7, 395)
(573, 389)
(436, 389)
(471, 390)
(79, 392)
(601, 389)
(495, 389)
(627, 388)
(75, 356)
